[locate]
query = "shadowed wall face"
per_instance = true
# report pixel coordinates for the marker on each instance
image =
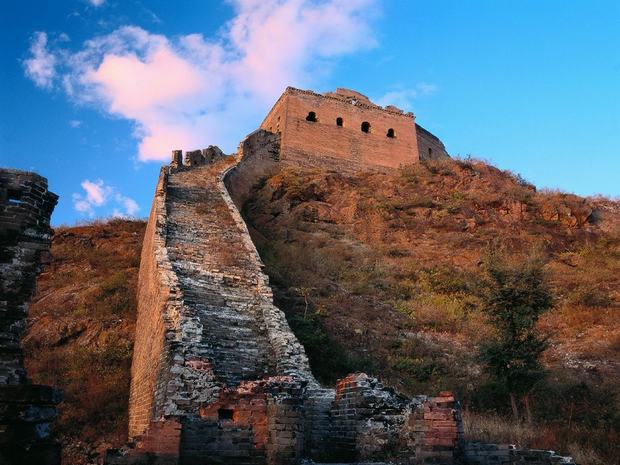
(26, 410)
(429, 145)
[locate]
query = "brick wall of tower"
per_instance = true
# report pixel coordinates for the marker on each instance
(429, 145)
(325, 142)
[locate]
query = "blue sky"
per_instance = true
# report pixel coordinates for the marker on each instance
(96, 93)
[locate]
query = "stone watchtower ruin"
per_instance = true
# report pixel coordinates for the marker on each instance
(344, 128)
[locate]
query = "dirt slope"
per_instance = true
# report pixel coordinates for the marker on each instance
(383, 272)
(80, 333)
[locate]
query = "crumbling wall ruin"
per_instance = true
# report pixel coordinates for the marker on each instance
(26, 410)
(260, 152)
(218, 376)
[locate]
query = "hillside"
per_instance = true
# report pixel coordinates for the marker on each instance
(80, 332)
(376, 272)
(383, 273)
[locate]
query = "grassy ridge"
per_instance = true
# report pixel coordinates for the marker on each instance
(383, 272)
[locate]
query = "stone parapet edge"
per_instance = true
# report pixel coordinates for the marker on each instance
(281, 337)
(295, 90)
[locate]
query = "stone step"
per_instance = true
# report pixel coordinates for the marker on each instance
(206, 249)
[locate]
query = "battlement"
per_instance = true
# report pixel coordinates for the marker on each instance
(196, 157)
(352, 97)
(342, 130)
(25, 202)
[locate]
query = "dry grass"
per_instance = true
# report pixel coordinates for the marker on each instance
(80, 333)
(395, 261)
(497, 429)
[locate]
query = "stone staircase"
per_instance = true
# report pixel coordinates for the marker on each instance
(219, 280)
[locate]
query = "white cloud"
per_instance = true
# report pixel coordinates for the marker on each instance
(75, 123)
(190, 91)
(98, 194)
(82, 206)
(96, 3)
(41, 66)
(129, 205)
(424, 88)
(404, 98)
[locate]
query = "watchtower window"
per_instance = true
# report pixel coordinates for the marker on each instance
(366, 127)
(430, 151)
(390, 133)
(339, 121)
(225, 414)
(311, 117)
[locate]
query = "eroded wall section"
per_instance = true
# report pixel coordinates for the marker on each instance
(26, 410)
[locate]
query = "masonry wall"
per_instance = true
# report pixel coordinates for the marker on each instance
(371, 423)
(150, 360)
(324, 142)
(208, 337)
(429, 145)
(260, 152)
(26, 410)
(218, 376)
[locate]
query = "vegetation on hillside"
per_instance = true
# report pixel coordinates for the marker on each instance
(386, 273)
(514, 301)
(80, 333)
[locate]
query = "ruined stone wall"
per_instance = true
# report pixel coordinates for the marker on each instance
(26, 410)
(218, 376)
(208, 336)
(429, 145)
(325, 142)
(158, 304)
(260, 152)
(372, 423)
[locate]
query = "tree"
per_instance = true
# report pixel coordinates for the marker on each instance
(305, 292)
(514, 300)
